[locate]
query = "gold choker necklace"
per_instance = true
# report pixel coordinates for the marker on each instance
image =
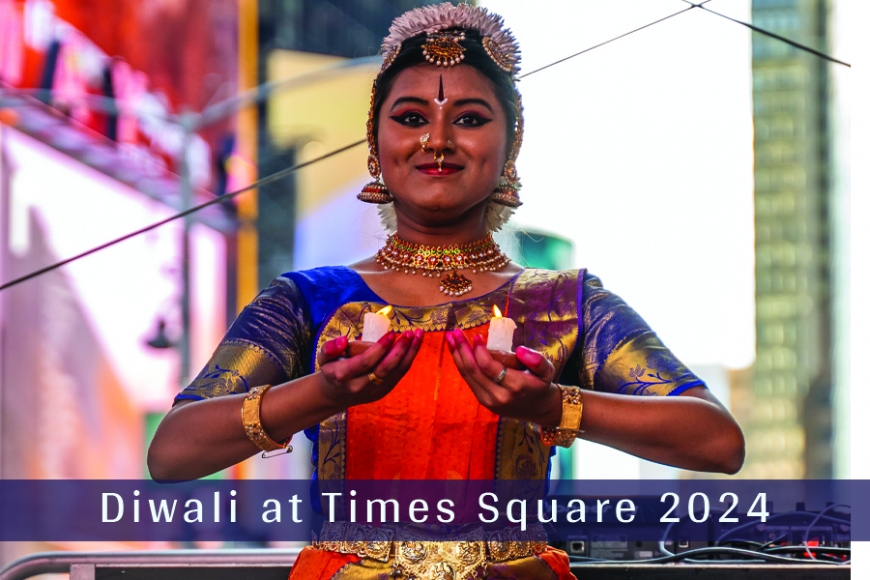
(480, 256)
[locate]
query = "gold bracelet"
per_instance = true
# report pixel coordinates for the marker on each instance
(254, 426)
(569, 427)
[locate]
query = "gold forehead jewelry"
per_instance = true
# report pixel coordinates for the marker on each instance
(480, 256)
(443, 48)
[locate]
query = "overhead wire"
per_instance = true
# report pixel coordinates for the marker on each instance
(257, 95)
(760, 30)
(615, 38)
(266, 180)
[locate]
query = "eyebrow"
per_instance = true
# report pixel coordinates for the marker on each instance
(459, 103)
(415, 100)
(481, 102)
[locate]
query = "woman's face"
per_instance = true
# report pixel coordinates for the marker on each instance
(458, 108)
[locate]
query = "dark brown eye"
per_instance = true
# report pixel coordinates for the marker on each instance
(472, 120)
(410, 119)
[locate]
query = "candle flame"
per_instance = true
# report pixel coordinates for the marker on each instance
(385, 311)
(495, 311)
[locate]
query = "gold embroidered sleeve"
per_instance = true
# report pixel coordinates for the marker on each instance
(621, 353)
(269, 343)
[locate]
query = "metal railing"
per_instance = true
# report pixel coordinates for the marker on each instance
(218, 564)
(275, 564)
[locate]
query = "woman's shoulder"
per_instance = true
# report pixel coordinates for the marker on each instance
(324, 276)
(579, 287)
(532, 277)
(326, 288)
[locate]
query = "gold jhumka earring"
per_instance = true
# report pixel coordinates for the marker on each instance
(374, 191)
(508, 190)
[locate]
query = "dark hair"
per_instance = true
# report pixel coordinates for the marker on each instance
(411, 54)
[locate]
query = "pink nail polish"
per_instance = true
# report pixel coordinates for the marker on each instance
(529, 355)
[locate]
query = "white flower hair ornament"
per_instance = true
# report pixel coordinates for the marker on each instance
(498, 41)
(445, 26)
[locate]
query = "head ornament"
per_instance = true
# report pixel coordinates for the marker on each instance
(498, 41)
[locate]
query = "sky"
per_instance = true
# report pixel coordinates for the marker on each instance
(640, 152)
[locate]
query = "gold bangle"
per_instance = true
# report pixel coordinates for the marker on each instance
(253, 425)
(572, 414)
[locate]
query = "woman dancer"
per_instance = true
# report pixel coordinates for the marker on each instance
(428, 400)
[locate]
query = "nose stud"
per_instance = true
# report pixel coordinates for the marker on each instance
(436, 156)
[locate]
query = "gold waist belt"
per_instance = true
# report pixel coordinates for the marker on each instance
(426, 555)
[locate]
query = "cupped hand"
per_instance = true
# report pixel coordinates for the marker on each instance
(369, 376)
(528, 395)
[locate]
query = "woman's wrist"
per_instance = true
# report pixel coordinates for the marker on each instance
(334, 399)
(552, 415)
(297, 405)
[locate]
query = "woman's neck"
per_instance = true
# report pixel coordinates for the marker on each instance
(457, 233)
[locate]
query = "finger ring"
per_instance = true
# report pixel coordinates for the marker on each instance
(497, 380)
(375, 379)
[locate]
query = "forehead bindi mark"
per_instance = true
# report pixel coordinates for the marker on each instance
(441, 100)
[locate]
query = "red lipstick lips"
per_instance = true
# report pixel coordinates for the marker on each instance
(446, 168)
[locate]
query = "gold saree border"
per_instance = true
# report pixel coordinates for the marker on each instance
(543, 303)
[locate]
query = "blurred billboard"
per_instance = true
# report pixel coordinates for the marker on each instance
(74, 356)
(156, 59)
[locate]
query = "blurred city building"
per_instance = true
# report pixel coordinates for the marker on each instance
(788, 413)
(299, 37)
(90, 150)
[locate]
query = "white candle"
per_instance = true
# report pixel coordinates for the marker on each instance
(501, 332)
(376, 324)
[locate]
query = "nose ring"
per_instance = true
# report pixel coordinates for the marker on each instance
(436, 156)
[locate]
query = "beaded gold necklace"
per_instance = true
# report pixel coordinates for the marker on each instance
(480, 256)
